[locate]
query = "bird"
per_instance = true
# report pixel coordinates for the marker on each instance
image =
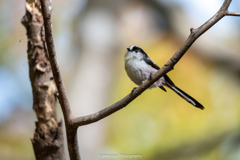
(140, 67)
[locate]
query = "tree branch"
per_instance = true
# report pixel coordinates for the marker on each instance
(71, 131)
(194, 34)
(232, 13)
(53, 60)
(73, 123)
(48, 140)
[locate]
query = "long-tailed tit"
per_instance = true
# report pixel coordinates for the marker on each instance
(139, 67)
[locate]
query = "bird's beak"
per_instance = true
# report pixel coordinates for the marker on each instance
(128, 49)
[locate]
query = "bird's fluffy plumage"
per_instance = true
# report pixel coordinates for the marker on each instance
(139, 67)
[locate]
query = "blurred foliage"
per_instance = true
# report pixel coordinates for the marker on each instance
(157, 125)
(14, 147)
(15, 133)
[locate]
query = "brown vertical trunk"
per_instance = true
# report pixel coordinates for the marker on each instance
(48, 138)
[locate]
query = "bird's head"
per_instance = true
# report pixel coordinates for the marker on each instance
(134, 52)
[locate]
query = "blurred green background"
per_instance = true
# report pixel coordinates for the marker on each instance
(91, 38)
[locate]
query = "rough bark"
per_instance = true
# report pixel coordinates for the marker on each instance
(48, 137)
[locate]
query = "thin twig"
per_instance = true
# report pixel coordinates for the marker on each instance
(53, 60)
(232, 13)
(71, 131)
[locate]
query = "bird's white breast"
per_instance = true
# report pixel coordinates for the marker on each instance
(138, 70)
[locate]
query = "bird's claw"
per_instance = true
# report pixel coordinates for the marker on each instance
(150, 76)
(133, 90)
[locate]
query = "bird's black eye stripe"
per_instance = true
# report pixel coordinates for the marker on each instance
(135, 48)
(138, 49)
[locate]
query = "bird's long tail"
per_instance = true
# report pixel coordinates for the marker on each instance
(185, 96)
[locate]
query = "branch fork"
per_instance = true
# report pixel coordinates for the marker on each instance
(72, 123)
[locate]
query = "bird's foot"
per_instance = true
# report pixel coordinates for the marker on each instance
(133, 90)
(150, 76)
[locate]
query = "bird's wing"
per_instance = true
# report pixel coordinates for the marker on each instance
(152, 64)
(161, 87)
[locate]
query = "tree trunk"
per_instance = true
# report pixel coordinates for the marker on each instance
(48, 137)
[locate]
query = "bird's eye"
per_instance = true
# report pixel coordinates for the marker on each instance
(136, 50)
